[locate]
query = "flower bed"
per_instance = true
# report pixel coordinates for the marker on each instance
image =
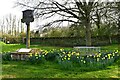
(71, 58)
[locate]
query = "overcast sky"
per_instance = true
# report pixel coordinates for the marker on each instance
(6, 7)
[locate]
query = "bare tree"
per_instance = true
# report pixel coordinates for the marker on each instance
(74, 11)
(10, 25)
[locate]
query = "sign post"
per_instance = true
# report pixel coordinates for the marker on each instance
(28, 36)
(27, 18)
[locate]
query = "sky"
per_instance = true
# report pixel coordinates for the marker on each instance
(7, 7)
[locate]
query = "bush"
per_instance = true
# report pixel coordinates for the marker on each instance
(6, 57)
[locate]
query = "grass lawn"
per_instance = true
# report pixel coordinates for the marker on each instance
(18, 69)
(14, 47)
(21, 69)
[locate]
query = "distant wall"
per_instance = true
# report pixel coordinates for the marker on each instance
(73, 41)
(65, 41)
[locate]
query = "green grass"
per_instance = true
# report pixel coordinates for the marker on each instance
(14, 47)
(111, 47)
(19, 69)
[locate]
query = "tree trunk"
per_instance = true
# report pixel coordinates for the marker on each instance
(88, 33)
(110, 40)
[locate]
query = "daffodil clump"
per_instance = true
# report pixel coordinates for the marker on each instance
(68, 58)
(100, 59)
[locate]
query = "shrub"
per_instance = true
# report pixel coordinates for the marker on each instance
(6, 57)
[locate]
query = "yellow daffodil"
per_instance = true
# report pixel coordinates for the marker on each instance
(109, 56)
(63, 52)
(90, 55)
(97, 59)
(84, 61)
(61, 49)
(77, 57)
(77, 54)
(30, 54)
(72, 53)
(64, 58)
(68, 58)
(37, 57)
(113, 54)
(81, 60)
(103, 57)
(36, 54)
(69, 55)
(117, 51)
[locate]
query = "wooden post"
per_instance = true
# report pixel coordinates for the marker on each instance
(27, 18)
(28, 36)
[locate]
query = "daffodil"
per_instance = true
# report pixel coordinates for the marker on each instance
(103, 58)
(117, 51)
(72, 53)
(61, 49)
(112, 57)
(90, 55)
(37, 57)
(109, 56)
(113, 54)
(30, 54)
(68, 58)
(97, 59)
(69, 52)
(105, 55)
(36, 54)
(69, 55)
(77, 54)
(63, 52)
(84, 61)
(64, 58)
